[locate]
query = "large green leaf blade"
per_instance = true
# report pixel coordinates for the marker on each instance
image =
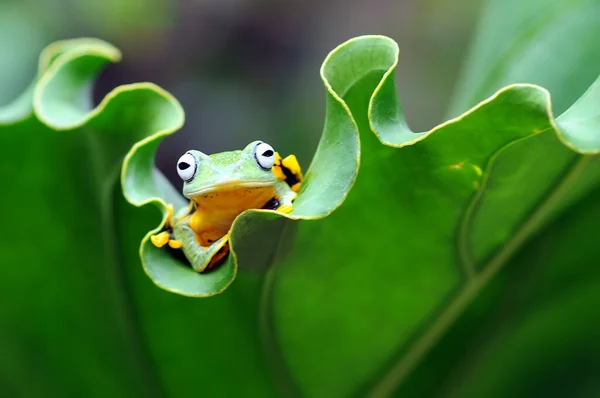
(387, 262)
(562, 259)
(369, 260)
(198, 345)
(58, 273)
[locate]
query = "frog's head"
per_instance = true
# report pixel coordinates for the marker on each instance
(249, 168)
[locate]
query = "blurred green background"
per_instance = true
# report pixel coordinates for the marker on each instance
(230, 61)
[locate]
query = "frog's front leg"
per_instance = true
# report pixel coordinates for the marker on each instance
(285, 196)
(166, 236)
(200, 257)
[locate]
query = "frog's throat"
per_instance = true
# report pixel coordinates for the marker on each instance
(229, 185)
(216, 210)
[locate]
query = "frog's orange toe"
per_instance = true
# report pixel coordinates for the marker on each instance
(161, 239)
(175, 244)
(285, 209)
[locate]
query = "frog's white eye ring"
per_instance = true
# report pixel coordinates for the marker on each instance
(264, 155)
(187, 166)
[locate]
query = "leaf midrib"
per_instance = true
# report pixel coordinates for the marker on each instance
(402, 368)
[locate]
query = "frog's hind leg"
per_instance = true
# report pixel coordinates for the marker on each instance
(200, 257)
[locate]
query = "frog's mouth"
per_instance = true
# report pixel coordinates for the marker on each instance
(219, 205)
(234, 185)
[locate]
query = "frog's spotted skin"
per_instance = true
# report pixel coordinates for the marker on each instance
(220, 187)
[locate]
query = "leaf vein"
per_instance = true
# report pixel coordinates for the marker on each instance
(408, 362)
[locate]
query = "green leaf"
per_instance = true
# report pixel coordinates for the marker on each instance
(69, 324)
(497, 174)
(457, 179)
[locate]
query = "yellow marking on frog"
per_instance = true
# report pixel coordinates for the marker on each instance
(161, 239)
(296, 187)
(277, 171)
(457, 166)
(175, 244)
(291, 163)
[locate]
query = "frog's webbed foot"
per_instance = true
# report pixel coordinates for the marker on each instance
(175, 244)
(288, 170)
(285, 208)
(201, 258)
(281, 205)
(166, 236)
(161, 239)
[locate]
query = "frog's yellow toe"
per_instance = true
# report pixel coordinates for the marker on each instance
(285, 209)
(159, 240)
(175, 244)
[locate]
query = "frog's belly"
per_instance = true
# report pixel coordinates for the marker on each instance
(216, 211)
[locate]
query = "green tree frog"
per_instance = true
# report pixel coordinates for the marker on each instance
(220, 187)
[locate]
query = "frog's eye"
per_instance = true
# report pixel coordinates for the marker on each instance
(186, 167)
(264, 155)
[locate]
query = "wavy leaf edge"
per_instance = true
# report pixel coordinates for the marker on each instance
(59, 54)
(389, 380)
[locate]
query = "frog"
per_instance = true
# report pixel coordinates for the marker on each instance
(220, 187)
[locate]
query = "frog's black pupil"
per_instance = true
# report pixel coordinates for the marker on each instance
(183, 165)
(268, 153)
